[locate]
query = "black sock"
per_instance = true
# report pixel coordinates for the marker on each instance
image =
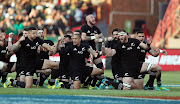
(1, 73)
(64, 82)
(83, 80)
(51, 81)
(98, 83)
(43, 77)
(21, 84)
(150, 82)
(116, 85)
(68, 86)
(94, 81)
(18, 83)
(88, 81)
(159, 80)
(35, 82)
(4, 76)
(108, 78)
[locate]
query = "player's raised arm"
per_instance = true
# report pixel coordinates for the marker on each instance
(146, 46)
(108, 52)
(85, 37)
(154, 51)
(48, 47)
(17, 45)
(93, 52)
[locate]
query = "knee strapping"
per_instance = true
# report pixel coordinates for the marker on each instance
(149, 67)
(128, 85)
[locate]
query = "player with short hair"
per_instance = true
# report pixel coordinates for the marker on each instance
(141, 54)
(126, 52)
(63, 72)
(77, 66)
(92, 35)
(29, 46)
(115, 60)
(5, 47)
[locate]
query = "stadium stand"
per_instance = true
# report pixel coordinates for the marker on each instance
(167, 33)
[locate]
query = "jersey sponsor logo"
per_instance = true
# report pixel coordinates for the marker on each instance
(123, 46)
(75, 49)
(132, 44)
(138, 47)
(3, 51)
(88, 31)
(27, 45)
(76, 78)
(126, 74)
(80, 52)
(92, 34)
(33, 47)
(129, 48)
(143, 51)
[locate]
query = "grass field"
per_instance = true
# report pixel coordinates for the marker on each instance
(168, 78)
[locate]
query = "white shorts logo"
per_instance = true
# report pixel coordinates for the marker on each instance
(64, 76)
(116, 76)
(76, 78)
(126, 74)
(28, 74)
(140, 76)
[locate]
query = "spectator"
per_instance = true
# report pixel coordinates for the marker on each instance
(44, 14)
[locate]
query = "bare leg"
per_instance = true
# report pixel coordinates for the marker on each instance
(77, 84)
(29, 81)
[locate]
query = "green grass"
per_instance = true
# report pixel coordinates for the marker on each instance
(167, 78)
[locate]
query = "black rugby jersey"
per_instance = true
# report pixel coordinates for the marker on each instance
(91, 32)
(64, 57)
(19, 56)
(111, 44)
(126, 52)
(77, 54)
(3, 52)
(29, 49)
(141, 53)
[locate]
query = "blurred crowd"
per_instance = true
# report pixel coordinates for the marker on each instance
(53, 16)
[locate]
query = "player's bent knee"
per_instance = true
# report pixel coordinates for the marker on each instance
(100, 71)
(1, 65)
(156, 68)
(76, 84)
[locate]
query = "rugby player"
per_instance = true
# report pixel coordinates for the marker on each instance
(78, 51)
(29, 46)
(128, 64)
(139, 78)
(92, 35)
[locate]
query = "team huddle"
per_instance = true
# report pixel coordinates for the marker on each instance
(80, 64)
